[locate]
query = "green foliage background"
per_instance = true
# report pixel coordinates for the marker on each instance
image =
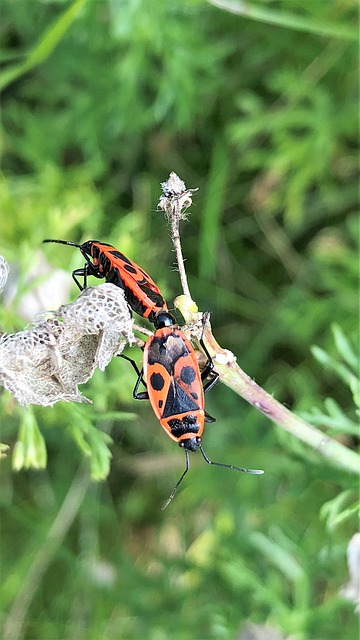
(259, 110)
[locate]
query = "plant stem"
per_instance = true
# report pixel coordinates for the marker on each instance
(234, 377)
(175, 236)
(287, 20)
(174, 200)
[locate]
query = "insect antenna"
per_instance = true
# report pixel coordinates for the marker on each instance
(227, 466)
(72, 244)
(172, 494)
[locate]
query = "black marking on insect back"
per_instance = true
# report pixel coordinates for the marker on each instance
(157, 381)
(155, 297)
(188, 375)
(194, 395)
(114, 277)
(134, 269)
(135, 302)
(187, 424)
(94, 250)
(160, 404)
(130, 269)
(104, 264)
(118, 254)
(166, 350)
(178, 401)
(136, 294)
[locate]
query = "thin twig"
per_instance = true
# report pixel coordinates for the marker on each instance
(175, 201)
(175, 236)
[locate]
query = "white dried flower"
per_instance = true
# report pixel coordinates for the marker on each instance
(46, 362)
(173, 186)
(175, 197)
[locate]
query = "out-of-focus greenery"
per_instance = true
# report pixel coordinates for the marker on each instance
(102, 99)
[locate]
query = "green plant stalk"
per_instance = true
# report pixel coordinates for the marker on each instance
(234, 377)
(287, 20)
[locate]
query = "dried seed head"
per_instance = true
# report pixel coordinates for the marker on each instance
(46, 362)
(173, 186)
(175, 198)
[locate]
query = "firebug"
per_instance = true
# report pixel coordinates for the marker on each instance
(175, 387)
(104, 261)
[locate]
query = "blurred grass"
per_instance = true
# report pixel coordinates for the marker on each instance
(262, 116)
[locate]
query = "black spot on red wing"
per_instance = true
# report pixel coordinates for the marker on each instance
(195, 396)
(157, 381)
(160, 404)
(130, 269)
(118, 254)
(187, 374)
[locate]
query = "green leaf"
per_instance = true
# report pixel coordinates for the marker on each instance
(92, 442)
(332, 364)
(334, 512)
(345, 348)
(45, 45)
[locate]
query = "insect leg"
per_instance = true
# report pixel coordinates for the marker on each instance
(210, 383)
(142, 395)
(187, 467)
(208, 369)
(229, 466)
(83, 273)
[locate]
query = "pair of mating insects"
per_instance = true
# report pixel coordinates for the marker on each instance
(175, 386)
